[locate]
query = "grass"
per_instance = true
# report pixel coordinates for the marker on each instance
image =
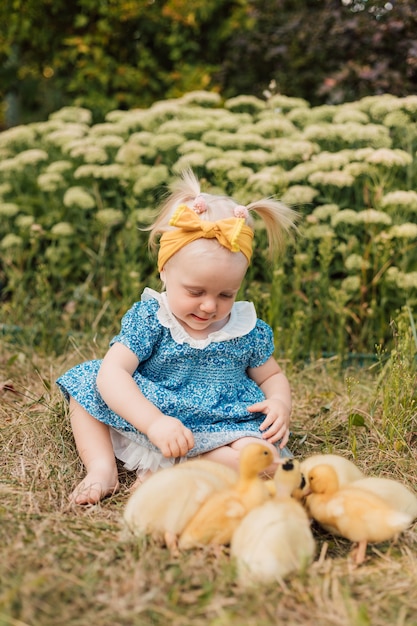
(75, 566)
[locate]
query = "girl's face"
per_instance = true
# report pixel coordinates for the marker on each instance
(202, 281)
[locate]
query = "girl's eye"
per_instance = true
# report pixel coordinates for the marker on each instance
(195, 293)
(226, 295)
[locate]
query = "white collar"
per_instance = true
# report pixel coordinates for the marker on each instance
(242, 320)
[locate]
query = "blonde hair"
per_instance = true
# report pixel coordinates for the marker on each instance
(278, 218)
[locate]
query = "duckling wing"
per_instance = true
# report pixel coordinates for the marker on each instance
(168, 500)
(358, 516)
(394, 493)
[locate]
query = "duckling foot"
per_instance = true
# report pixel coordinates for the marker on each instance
(359, 553)
(171, 542)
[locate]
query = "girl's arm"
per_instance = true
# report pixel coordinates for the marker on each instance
(277, 404)
(119, 391)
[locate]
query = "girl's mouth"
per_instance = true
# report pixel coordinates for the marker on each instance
(200, 319)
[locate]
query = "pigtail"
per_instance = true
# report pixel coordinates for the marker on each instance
(182, 191)
(279, 219)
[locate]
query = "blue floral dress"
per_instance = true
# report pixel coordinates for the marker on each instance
(202, 382)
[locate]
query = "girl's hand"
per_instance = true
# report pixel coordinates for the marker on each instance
(171, 436)
(277, 421)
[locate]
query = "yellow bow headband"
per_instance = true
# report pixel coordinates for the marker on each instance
(232, 233)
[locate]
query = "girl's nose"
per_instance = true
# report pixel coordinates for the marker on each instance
(208, 305)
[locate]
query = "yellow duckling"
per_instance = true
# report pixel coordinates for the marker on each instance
(394, 493)
(163, 505)
(275, 538)
(351, 512)
(345, 469)
(218, 517)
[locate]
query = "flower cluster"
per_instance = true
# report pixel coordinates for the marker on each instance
(73, 194)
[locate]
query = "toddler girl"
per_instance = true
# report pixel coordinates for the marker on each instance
(191, 372)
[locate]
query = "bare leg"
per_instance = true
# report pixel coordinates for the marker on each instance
(94, 446)
(229, 455)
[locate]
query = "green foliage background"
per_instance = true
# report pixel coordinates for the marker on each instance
(130, 53)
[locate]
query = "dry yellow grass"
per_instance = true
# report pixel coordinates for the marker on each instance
(74, 566)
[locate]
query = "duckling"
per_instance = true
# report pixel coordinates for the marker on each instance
(351, 512)
(394, 493)
(220, 514)
(163, 505)
(274, 539)
(345, 469)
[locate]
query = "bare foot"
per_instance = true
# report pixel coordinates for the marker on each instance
(94, 487)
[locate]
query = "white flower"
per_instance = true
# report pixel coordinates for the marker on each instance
(299, 194)
(301, 172)
(286, 149)
(50, 181)
(357, 169)
(347, 216)
(59, 167)
(244, 103)
(24, 221)
(78, 197)
(202, 98)
(272, 127)
(111, 171)
(349, 113)
(336, 178)
(351, 284)
(90, 153)
(109, 141)
(371, 216)
(5, 188)
(239, 175)
(9, 209)
(267, 182)
(17, 136)
(10, 165)
(130, 153)
(107, 129)
(165, 143)
(331, 161)
(153, 178)
(403, 280)
(62, 229)
(325, 211)
(86, 171)
(191, 159)
(72, 114)
(355, 262)
(220, 164)
(66, 134)
(390, 158)
(11, 241)
(406, 230)
(397, 119)
(109, 217)
(400, 198)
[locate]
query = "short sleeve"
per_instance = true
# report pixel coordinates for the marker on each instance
(262, 343)
(140, 329)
